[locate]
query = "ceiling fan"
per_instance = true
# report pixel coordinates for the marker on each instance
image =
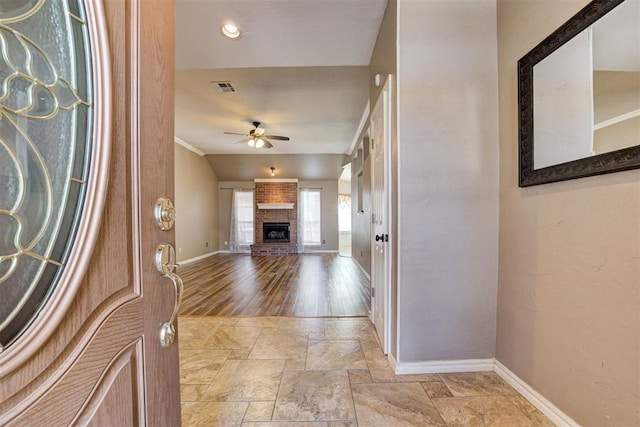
(256, 137)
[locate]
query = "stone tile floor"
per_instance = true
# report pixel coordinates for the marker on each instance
(325, 372)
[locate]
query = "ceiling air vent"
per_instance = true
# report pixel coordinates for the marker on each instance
(224, 87)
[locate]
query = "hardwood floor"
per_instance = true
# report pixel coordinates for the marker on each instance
(296, 285)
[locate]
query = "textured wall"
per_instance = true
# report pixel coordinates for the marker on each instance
(447, 179)
(569, 275)
(196, 188)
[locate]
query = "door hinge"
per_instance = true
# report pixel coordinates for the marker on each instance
(373, 292)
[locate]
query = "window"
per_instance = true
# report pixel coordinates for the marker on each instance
(310, 217)
(242, 229)
(344, 212)
(47, 115)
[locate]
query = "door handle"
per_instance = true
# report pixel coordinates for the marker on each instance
(382, 237)
(166, 265)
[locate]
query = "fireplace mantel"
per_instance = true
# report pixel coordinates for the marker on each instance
(275, 205)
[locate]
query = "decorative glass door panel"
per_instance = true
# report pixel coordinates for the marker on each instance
(46, 119)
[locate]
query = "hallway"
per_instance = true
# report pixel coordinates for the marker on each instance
(325, 372)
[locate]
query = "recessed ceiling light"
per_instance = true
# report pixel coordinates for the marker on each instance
(231, 31)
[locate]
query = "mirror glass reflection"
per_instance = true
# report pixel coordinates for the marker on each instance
(587, 93)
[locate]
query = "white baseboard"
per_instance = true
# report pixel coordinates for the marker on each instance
(361, 268)
(198, 258)
(392, 361)
(444, 366)
(539, 401)
(440, 367)
(319, 251)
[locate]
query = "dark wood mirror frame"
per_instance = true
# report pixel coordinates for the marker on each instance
(619, 160)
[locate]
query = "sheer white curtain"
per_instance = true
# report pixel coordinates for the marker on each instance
(242, 229)
(309, 218)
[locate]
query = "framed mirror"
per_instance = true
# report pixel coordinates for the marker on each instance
(579, 96)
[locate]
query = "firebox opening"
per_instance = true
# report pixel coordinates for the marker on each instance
(273, 232)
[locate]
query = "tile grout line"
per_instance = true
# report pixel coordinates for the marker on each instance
(487, 387)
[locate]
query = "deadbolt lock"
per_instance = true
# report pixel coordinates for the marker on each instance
(165, 214)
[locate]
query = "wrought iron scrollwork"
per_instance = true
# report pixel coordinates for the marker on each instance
(42, 155)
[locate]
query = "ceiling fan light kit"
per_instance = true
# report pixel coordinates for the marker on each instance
(257, 139)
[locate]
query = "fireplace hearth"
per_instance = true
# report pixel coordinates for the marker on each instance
(275, 232)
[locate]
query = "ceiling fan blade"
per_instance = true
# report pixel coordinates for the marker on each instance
(243, 141)
(277, 137)
(235, 133)
(267, 144)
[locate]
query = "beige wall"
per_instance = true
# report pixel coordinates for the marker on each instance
(329, 203)
(616, 93)
(569, 260)
(615, 137)
(196, 188)
(447, 179)
(383, 57)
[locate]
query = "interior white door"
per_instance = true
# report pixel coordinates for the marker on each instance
(380, 209)
(88, 350)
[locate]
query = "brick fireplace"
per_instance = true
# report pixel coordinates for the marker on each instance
(276, 202)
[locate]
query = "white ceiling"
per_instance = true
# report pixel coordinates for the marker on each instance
(277, 33)
(300, 68)
(319, 108)
(305, 167)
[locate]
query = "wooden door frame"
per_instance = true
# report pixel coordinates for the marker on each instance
(152, 51)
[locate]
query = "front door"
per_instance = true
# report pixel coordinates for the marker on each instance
(86, 150)
(380, 208)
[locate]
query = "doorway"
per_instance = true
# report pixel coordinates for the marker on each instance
(381, 244)
(344, 212)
